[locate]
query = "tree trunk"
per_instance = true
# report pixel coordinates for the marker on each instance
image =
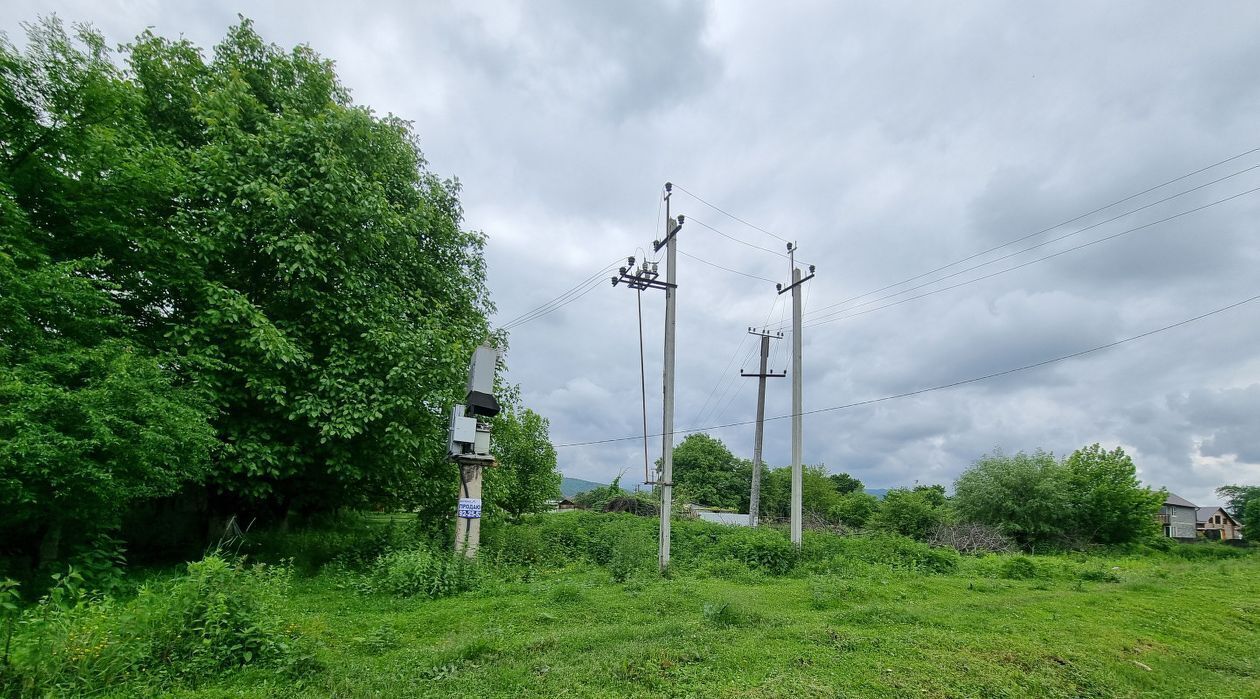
(50, 544)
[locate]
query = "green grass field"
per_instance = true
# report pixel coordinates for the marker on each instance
(1154, 626)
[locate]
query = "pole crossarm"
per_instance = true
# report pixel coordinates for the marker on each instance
(658, 244)
(784, 289)
(769, 374)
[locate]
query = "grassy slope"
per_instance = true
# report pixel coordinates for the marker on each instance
(874, 633)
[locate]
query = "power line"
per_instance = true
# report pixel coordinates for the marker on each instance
(524, 317)
(725, 382)
(587, 287)
(853, 312)
(719, 209)
(733, 238)
(721, 378)
(1060, 225)
(942, 387)
(725, 269)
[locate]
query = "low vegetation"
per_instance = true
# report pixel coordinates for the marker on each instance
(572, 603)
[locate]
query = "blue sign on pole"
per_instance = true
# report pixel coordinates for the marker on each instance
(470, 508)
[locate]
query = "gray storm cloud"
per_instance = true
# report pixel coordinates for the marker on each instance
(886, 140)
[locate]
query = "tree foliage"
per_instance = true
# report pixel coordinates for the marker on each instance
(525, 476)
(1109, 504)
(224, 246)
(1093, 496)
(1238, 498)
(913, 512)
(710, 474)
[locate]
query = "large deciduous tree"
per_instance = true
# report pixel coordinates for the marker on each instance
(1109, 504)
(710, 474)
(269, 256)
(1093, 496)
(1025, 495)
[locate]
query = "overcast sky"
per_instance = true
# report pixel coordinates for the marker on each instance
(887, 139)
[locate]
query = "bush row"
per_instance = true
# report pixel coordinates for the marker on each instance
(626, 544)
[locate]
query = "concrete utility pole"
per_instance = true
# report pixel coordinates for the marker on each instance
(754, 500)
(797, 389)
(646, 277)
(667, 431)
(468, 446)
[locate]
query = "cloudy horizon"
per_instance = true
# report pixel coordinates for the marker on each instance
(886, 141)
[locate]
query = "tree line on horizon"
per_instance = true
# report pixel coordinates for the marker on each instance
(1035, 500)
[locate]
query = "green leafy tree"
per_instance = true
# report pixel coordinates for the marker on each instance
(525, 477)
(710, 473)
(854, 509)
(1238, 498)
(914, 513)
(818, 492)
(845, 484)
(1251, 520)
(267, 245)
(88, 422)
(1025, 495)
(1109, 504)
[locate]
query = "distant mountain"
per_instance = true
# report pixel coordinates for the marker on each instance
(878, 492)
(572, 486)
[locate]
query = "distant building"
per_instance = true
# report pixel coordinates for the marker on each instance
(735, 519)
(1217, 524)
(562, 505)
(1177, 515)
(716, 515)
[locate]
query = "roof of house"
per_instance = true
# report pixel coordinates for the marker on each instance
(738, 519)
(1177, 500)
(1206, 512)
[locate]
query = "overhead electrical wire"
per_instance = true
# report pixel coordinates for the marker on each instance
(725, 269)
(941, 387)
(721, 379)
(721, 405)
(719, 209)
(1064, 223)
(853, 312)
(702, 224)
(581, 289)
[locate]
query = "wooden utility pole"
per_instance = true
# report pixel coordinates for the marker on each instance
(797, 389)
(754, 499)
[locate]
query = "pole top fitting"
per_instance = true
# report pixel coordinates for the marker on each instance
(811, 269)
(669, 186)
(681, 219)
(778, 287)
(789, 246)
(614, 281)
(630, 260)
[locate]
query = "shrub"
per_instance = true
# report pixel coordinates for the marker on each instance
(1098, 574)
(1208, 552)
(218, 617)
(633, 552)
(1018, 568)
(759, 549)
(724, 614)
(422, 572)
(897, 552)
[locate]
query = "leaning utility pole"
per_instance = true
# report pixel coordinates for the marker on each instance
(646, 277)
(754, 499)
(797, 388)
